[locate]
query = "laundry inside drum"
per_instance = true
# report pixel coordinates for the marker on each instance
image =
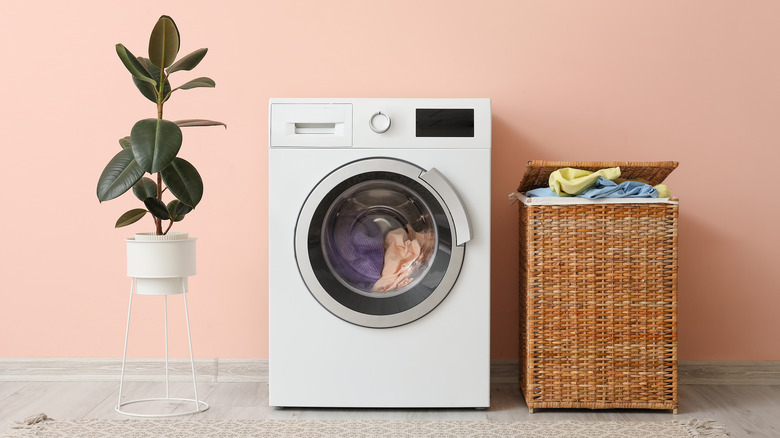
(379, 238)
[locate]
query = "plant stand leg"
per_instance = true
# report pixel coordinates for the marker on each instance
(189, 339)
(200, 406)
(124, 353)
(167, 384)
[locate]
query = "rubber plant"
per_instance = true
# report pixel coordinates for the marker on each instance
(153, 144)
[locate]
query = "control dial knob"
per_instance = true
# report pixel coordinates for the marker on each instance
(379, 122)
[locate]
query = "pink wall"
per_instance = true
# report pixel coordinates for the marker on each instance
(694, 81)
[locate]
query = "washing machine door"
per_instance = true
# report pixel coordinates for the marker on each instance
(380, 242)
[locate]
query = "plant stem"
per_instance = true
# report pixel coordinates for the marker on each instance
(169, 227)
(160, 98)
(158, 221)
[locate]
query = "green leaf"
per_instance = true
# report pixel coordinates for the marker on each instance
(198, 122)
(183, 181)
(132, 64)
(164, 42)
(197, 83)
(119, 175)
(124, 142)
(178, 209)
(157, 208)
(154, 71)
(155, 143)
(148, 90)
(130, 217)
(182, 208)
(188, 62)
(145, 188)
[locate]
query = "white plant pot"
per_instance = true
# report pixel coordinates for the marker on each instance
(160, 264)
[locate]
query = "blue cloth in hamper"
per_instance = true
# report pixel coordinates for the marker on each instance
(355, 250)
(604, 188)
(541, 192)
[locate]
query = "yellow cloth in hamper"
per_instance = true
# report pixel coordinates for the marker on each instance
(569, 181)
(663, 191)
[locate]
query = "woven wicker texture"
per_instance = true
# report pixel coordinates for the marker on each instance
(599, 305)
(537, 174)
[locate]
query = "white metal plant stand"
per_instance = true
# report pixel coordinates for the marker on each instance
(160, 266)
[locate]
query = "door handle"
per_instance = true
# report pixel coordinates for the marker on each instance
(452, 202)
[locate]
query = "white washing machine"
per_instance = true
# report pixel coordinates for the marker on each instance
(379, 252)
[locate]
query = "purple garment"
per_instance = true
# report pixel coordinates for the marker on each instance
(355, 250)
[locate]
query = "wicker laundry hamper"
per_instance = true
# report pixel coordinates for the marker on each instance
(598, 298)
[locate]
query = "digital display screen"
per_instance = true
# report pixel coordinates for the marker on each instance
(445, 122)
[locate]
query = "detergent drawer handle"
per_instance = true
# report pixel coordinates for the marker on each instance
(452, 202)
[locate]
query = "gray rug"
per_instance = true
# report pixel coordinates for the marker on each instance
(40, 426)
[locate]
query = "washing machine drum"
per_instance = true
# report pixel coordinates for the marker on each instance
(377, 241)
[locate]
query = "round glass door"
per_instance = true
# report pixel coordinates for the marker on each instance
(378, 237)
(375, 244)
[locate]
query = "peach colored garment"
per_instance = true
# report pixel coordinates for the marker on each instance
(400, 254)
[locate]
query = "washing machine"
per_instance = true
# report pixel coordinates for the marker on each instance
(379, 253)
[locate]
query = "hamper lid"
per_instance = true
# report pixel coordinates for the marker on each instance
(537, 174)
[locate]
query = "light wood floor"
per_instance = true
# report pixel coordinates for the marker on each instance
(745, 410)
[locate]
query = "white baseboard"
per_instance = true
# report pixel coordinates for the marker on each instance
(256, 370)
(696, 372)
(66, 369)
